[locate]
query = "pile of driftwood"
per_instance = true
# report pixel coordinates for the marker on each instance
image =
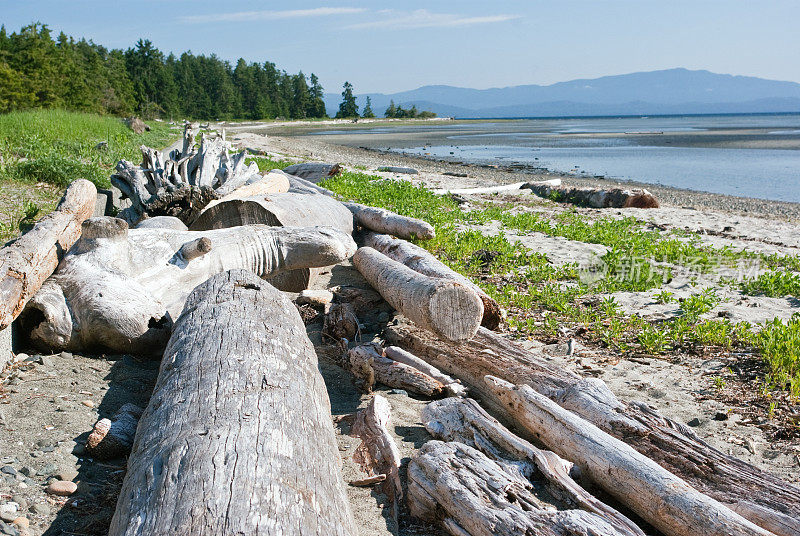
(238, 436)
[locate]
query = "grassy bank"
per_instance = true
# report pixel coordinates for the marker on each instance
(43, 151)
(542, 298)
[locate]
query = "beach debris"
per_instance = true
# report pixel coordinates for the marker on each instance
(421, 261)
(236, 328)
(368, 363)
(597, 197)
(119, 289)
(313, 171)
(111, 438)
(514, 187)
(385, 221)
(29, 260)
(399, 169)
(452, 386)
(444, 306)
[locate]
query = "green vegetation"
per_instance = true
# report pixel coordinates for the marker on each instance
(265, 163)
(398, 112)
(540, 297)
(37, 71)
(367, 111)
(57, 147)
(774, 284)
(348, 108)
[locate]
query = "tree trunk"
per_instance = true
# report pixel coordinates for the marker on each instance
(313, 171)
(662, 499)
(283, 209)
(26, 262)
(385, 221)
(238, 436)
(597, 197)
(120, 289)
(503, 188)
(465, 421)
(368, 363)
(471, 495)
(445, 307)
(756, 495)
(419, 260)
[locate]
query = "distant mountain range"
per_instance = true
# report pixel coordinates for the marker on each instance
(671, 91)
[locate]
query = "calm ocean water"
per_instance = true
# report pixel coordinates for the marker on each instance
(747, 155)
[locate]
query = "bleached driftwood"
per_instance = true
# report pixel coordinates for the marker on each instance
(113, 437)
(302, 186)
(184, 183)
(423, 262)
(340, 322)
(756, 495)
(514, 187)
(26, 262)
(238, 436)
(280, 209)
(385, 221)
(447, 308)
(662, 499)
(378, 454)
(120, 289)
(368, 363)
(162, 222)
(313, 171)
(451, 385)
(399, 169)
(597, 197)
(465, 421)
(471, 495)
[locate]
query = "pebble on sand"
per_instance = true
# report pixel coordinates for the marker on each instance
(62, 487)
(87, 403)
(21, 522)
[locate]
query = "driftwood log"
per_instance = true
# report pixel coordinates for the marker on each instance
(503, 188)
(472, 495)
(465, 421)
(282, 209)
(597, 197)
(184, 183)
(447, 308)
(378, 453)
(662, 499)
(385, 221)
(313, 171)
(113, 437)
(367, 363)
(756, 495)
(302, 186)
(419, 260)
(238, 436)
(451, 385)
(30, 259)
(119, 289)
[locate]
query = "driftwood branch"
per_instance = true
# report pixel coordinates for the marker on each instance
(238, 436)
(313, 171)
(419, 260)
(662, 499)
(120, 289)
(451, 385)
(503, 188)
(113, 437)
(597, 197)
(30, 259)
(367, 363)
(445, 307)
(756, 495)
(385, 221)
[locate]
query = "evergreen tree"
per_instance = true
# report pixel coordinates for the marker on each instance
(348, 107)
(316, 93)
(368, 109)
(391, 111)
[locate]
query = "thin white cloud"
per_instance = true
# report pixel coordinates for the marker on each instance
(249, 16)
(422, 18)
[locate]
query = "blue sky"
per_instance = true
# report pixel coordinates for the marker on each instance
(385, 46)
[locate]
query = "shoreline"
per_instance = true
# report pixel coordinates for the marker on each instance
(486, 175)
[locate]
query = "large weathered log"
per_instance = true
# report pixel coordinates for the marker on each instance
(756, 495)
(385, 221)
(313, 171)
(378, 453)
(120, 289)
(368, 363)
(282, 209)
(238, 436)
(662, 499)
(597, 197)
(465, 421)
(503, 188)
(26, 262)
(447, 308)
(471, 495)
(423, 262)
